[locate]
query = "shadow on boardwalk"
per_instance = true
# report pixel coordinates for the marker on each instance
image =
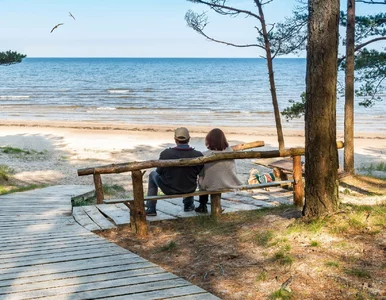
(45, 254)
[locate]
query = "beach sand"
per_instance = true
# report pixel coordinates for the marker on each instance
(63, 147)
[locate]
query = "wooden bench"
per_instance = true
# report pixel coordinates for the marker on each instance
(137, 204)
(284, 166)
(215, 196)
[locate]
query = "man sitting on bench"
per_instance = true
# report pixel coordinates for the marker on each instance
(175, 180)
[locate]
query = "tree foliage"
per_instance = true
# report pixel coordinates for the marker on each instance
(274, 39)
(370, 66)
(11, 57)
(370, 69)
(296, 110)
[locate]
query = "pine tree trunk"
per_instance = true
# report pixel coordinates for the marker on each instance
(321, 155)
(349, 90)
(276, 110)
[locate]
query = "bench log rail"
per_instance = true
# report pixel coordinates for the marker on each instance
(137, 205)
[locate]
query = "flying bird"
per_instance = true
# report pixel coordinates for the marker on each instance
(72, 16)
(56, 26)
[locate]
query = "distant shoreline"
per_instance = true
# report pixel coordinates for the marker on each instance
(234, 130)
(165, 57)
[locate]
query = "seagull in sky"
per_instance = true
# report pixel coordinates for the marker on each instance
(56, 26)
(72, 16)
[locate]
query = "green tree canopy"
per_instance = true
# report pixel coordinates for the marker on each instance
(11, 57)
(369, 64)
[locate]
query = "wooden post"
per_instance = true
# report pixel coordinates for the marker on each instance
(137, 211)
(215, 203)
(98, 188)
(298, 182)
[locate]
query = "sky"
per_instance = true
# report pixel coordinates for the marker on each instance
(130, 28)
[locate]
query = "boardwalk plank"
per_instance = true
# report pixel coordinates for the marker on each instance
(58, 247)
(105, 252)
(98, 218)
(45, 253)
(61, 252)
(205, 296)
(120, 215)
(180, 293)
(42, 239)
(69, 266)
(105, 288)
(83, 219)
(23, 281)
(78, 280)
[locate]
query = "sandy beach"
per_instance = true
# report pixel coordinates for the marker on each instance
(58, 149)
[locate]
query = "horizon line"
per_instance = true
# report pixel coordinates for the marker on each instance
(158, 57)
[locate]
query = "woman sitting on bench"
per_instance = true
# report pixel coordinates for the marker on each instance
(216, 175)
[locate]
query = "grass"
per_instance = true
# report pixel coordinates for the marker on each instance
(283, 256)
(5, 172)
(262, 276)
(109, 191)
(263, 238)
(12, 150)
(314, 226)
(332, 264)
(314, 244)
(113, 189)
(84, 202)
(360, 273)
(171, 246)
(281, 294)
(381, 166)
(4, 190)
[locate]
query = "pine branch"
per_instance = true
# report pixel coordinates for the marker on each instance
(362, 46)
(372, 1)
(219, 8)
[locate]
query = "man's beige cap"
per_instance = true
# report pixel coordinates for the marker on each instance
(181, 134)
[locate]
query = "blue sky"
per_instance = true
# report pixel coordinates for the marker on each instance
(128, 28)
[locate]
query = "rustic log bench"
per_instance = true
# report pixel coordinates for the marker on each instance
(215, 196)
(137, 205)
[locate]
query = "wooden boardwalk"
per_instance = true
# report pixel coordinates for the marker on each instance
(45, 254)
(108, 216)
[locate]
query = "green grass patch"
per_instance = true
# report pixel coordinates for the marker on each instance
(5, 172)
(263, 238)
(262, 276)
(12, 150)
(84, 202)
(381, 166)
(281, 294)
(332, 264)
(113, 189)
(355, 223)
(171, 246)
(339, 229)
(314, 226)
(314, 244)
(360, 273)
(4, 191)
(283, 256)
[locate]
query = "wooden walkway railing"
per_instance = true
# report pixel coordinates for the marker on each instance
(137, 209)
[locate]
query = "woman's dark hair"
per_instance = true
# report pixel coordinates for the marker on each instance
(216, 140)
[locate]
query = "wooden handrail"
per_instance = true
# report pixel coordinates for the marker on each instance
(141, 165)
(237, 147)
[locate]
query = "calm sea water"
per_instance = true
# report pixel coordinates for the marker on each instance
(197, 91)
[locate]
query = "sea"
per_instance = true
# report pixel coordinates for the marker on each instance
(161, 91)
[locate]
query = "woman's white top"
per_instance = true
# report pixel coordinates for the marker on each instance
(219, 174)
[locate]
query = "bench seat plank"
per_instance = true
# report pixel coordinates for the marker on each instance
(198, 193)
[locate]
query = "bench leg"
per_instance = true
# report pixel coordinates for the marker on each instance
(298, 192)
(98, 188)
(137, 209)
(215, 203)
